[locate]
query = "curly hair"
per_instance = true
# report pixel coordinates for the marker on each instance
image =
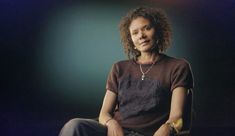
(158, 20)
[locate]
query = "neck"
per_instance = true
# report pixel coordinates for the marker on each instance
(148, 57)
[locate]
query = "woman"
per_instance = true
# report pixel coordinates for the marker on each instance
(146, 93)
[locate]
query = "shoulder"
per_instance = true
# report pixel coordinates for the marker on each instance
(175, 61)
(123, 63)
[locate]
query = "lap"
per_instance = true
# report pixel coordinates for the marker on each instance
(89, 127)
(83, 127)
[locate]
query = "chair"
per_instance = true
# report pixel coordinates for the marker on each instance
(187, 115)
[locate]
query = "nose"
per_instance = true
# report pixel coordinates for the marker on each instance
(142, 35)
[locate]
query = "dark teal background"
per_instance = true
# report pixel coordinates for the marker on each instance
(56, 55)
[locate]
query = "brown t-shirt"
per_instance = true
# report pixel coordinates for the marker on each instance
(144, 105)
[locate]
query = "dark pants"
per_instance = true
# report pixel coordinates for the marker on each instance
(88, 127)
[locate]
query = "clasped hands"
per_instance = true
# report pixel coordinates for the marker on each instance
(114, 129)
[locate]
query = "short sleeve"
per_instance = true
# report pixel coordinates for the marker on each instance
(112, 81)
(182, 76)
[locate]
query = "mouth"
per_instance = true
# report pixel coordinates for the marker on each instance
(144, 42)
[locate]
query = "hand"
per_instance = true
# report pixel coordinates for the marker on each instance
(164, 130)
(114, 129)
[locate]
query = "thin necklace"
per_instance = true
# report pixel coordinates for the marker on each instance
(144, 73)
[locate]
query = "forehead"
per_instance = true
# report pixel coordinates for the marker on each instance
(138, 23)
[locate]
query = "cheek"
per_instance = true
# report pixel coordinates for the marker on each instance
(151, 34)
(134, 40)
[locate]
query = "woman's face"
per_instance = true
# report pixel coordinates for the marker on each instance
(142, 34)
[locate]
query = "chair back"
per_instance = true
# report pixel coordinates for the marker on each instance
(188, 111)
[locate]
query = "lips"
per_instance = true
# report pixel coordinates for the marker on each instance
(144, 42)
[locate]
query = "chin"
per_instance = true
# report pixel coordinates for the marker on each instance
(146, 49)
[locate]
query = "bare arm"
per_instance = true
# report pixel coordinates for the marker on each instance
(105, 117)
(176, 111)
(109, 103)
(177, 103)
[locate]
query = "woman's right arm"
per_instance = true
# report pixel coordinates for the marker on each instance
(105, 117)
(109, 103)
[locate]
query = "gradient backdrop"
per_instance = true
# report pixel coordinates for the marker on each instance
(56, 55)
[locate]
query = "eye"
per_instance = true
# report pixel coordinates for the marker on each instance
(134, 33)
(148, 27)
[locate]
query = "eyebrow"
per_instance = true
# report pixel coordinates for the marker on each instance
(141, 27)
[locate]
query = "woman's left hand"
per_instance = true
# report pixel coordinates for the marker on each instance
(164, 130)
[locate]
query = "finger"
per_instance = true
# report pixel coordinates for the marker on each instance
(120, 132)
(114, 133)
(110, 133)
